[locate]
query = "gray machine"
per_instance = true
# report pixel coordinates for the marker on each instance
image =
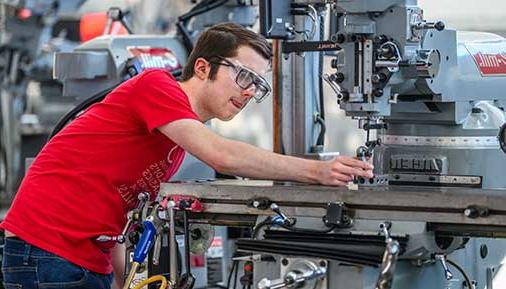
(433, 217)
(435, 95)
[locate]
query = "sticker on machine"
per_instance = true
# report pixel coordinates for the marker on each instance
(490, 57)
(154, 57)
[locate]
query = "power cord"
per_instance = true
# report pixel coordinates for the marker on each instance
(464, 274)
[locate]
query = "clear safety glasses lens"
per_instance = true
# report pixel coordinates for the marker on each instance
(246, 78)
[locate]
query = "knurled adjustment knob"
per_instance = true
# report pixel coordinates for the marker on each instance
(439, 26)
(337, 77)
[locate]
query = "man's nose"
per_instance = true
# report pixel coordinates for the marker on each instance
(249, 92)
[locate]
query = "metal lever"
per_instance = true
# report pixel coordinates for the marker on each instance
(173, 246)
(133, 215)
(439, 26)
(385, 230)
(293, 278)
(442, 259)
(156, 249)
(187, 280)
(115, 14)
(389, 260)
(287, 221)
(335, 87)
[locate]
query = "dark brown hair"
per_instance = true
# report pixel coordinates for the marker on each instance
(224, 40)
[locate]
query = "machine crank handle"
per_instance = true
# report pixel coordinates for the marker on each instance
(389, 260)
(133, 216)
(286, 220)
(292, 278)
(388, 263)
(335, 87)
(115, 14)
(439, 25)
(442, 258)
(385, 230)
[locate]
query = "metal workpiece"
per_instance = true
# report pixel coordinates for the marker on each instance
(438, 205)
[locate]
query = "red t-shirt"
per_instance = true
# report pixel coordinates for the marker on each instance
(85, 180)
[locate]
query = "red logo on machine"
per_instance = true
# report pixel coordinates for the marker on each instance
(490, 57)
(155, 57)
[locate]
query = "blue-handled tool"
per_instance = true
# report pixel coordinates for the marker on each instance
(142, 248)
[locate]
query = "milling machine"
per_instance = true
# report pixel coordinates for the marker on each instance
(433, 216)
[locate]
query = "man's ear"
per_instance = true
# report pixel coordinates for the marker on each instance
(201, 68)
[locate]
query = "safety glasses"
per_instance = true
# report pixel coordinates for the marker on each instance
(247, 78)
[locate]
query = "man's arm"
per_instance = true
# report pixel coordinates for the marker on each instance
(238, 158)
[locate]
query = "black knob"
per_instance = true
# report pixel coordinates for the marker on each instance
(388, 51)
(338, 38)
(134, 237)
(333, 63)
(379, 77)
(378, 92)
(362, 151)
(474, 211)
(184, 204)
(339, 77)
(439, 26)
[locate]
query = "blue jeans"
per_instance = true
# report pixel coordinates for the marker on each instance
(26, 266)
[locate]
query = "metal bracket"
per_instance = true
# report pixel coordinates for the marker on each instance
(337, 216)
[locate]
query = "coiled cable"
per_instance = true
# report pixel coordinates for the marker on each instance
(153, 279)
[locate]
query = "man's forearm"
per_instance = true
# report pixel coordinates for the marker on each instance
(248, 161)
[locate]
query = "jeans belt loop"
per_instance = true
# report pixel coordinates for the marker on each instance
(26, 255)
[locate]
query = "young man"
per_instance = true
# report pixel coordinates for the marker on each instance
(86, 179)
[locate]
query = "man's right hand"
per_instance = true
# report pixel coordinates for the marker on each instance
(342, 169)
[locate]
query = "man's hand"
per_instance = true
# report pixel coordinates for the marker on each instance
(342, 169)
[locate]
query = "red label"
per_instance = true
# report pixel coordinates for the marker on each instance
(155, 57)
(490, 57)
(217, 242)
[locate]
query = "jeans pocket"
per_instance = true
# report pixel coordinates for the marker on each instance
(19, 276)
(58, 273)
